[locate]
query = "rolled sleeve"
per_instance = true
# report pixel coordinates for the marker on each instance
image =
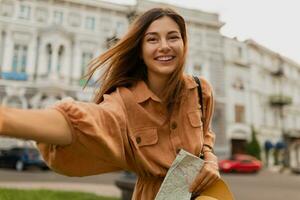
(209, 135)
(98, 137)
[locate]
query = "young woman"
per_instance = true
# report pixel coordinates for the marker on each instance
(145, 111)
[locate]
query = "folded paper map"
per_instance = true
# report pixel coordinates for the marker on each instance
(179, 177)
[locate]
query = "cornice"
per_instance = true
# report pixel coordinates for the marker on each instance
(103, 5)
(190, 15)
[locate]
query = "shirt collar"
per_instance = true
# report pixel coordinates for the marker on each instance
(189, 81)
(142, 92)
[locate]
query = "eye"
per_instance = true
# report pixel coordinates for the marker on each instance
(151, 39)
(174, 37)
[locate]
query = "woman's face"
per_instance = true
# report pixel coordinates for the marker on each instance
(162, 47)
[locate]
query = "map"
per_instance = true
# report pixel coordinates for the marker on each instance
(179, 177)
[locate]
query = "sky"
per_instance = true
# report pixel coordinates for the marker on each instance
(272, 23)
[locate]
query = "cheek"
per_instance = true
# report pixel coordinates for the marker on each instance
(179, 48)
(148, 51)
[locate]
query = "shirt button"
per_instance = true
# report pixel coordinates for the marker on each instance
(173, 125)
(138, 140)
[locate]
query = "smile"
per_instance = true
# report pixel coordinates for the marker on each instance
(165, 58)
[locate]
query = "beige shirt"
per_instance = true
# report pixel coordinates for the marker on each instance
(129, 131)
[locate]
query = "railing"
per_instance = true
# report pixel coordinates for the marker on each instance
(278, 73)
(17, 76)
(280, 100)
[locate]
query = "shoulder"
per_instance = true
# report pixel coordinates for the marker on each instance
(206, 86)
(113, 101)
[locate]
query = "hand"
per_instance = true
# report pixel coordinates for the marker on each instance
(207, 176)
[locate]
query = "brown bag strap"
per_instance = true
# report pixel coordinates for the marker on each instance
(200, 95)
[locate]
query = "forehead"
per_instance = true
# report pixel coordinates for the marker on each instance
(164, 24)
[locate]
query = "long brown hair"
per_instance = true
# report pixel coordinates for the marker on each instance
(123, 65)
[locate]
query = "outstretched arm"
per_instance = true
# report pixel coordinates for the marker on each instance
(47, 126)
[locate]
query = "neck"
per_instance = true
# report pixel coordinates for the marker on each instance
(157, 84)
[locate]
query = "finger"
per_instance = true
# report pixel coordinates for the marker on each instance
(200, 186)
(210, 178)
(199, 178)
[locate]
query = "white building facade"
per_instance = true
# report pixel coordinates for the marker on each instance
(263, 92)
(45, 47)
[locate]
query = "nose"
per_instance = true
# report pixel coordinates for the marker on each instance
(164, 45)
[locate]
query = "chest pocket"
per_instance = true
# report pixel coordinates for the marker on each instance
(145, 137)
(195, 119)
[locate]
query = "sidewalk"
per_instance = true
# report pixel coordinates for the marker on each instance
(98, 189)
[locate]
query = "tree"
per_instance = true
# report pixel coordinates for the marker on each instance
(253, 147)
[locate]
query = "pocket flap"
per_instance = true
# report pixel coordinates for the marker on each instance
(195, 118)
(144, 137)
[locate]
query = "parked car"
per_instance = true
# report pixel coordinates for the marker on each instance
(242, 163)
(21, 158)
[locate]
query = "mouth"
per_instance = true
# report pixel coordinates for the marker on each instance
(164, 58)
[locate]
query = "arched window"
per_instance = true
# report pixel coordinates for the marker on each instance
(61, 51)
(49, 57)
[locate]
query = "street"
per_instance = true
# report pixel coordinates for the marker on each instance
(265, 185)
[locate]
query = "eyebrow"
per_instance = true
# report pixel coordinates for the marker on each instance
(155, 33)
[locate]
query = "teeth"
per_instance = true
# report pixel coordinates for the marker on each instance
(164, 58)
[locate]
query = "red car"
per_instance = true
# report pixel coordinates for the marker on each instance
(240, 163)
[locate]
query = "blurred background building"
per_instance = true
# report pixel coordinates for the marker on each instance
(45, 46)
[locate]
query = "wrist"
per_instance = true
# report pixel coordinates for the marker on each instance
(210, 156)
(207, 147)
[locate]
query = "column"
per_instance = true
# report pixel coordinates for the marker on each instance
(37, 55)
(76, 72)
(54, 56)
(42, 66)
(31, 56)
(8, 53)
(2, 36)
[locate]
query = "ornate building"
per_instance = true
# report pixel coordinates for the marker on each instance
(263, 92)
(45, 47)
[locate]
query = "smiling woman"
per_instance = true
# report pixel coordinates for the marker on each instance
(145, 111)
(162, 52)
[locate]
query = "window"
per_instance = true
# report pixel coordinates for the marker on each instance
(120, 28)
(90, 23)
(19, 61)
(85, 59)
(74, 19)
(41, 14)
(238, 84)
(240, 52)
(239, 113)
(24, 12)
(60, 58)
(58, 17)
(49, 57)
(197, 70)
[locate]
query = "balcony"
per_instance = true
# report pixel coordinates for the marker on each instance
(278, 73)
(16, 76)
(280, 100)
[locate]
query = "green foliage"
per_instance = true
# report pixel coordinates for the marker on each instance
(253, 147)
(17, 194)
